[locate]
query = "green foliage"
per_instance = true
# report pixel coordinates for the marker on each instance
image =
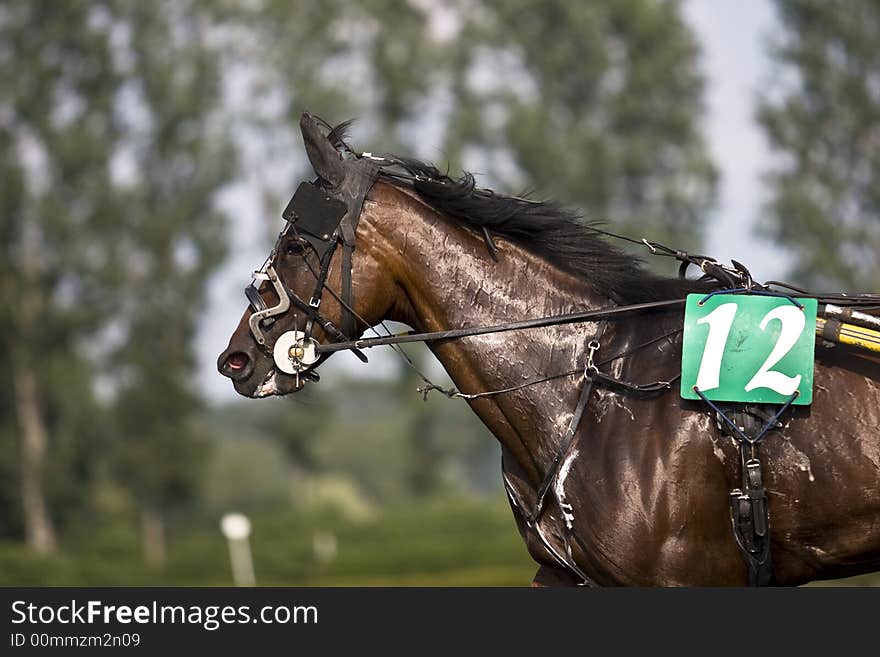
(377, 436)
(111, 153)
(823, 117)
(600, 108)
(56, 127)
(594, 103)
(173, 238)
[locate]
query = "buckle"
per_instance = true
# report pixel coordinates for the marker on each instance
(589, 367)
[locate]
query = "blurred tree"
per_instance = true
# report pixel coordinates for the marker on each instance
(381, 436)
(111, 151)
(56, 128)
(594, 103)
(822, 115)
(177, 149)
(438, 455)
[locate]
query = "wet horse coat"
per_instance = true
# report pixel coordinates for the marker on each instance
(644, 487)
(646, 480)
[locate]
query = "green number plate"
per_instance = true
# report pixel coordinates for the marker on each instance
(748, 348)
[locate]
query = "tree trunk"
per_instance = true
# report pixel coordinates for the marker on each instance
(38, 527)
(153, 535)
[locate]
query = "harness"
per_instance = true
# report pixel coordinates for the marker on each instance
(326, 218)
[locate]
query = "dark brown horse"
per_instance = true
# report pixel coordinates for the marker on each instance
(641, 497)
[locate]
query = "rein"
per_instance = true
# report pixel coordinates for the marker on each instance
(552, 320)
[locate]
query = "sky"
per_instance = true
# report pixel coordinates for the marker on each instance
(734, 61)
(733, 37)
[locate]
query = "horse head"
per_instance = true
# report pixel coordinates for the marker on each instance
(312, 288)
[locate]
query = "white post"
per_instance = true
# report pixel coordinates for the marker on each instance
(324, 546)
(236, 528)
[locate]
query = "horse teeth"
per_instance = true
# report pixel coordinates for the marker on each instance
(268, 387)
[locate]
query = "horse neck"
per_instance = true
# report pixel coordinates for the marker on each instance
(447, 279)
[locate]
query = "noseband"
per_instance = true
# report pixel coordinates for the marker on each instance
(324, 218)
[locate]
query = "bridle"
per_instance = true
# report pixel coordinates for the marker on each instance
(325, 219)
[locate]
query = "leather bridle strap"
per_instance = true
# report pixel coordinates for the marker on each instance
(349, 322)
(315, 317)
(355, 189)
(315, 300)
(352, 191)
(311, 309)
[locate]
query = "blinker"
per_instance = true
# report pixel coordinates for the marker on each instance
(256, 300)
(316, 215)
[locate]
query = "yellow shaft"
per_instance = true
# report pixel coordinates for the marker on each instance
(855, 336)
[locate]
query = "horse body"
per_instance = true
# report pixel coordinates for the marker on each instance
(641, 497)
(647, 480)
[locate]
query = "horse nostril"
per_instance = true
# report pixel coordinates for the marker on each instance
(237, 361)
(237, 365)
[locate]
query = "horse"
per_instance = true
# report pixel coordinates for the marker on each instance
(640, 496)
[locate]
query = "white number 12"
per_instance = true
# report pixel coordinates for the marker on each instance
(720, 322)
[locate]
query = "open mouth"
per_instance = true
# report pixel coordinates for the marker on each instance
(269, 386)
(276, 382)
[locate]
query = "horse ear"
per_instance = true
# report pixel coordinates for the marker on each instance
(324, 157)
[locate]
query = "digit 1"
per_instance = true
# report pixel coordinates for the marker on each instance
(719, 320)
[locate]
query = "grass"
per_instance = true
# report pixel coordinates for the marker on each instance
(449, 543)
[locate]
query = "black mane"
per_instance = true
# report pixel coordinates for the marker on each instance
(547, 229)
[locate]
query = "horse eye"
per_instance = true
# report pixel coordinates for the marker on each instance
(295, 248)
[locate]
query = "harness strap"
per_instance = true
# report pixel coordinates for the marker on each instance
(750, 517)
(533, 516)
(635, 388)
(328, 326)
(315, 300)
(749, 509)
(565, 560)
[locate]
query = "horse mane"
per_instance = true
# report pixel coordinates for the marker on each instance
(547, 229)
